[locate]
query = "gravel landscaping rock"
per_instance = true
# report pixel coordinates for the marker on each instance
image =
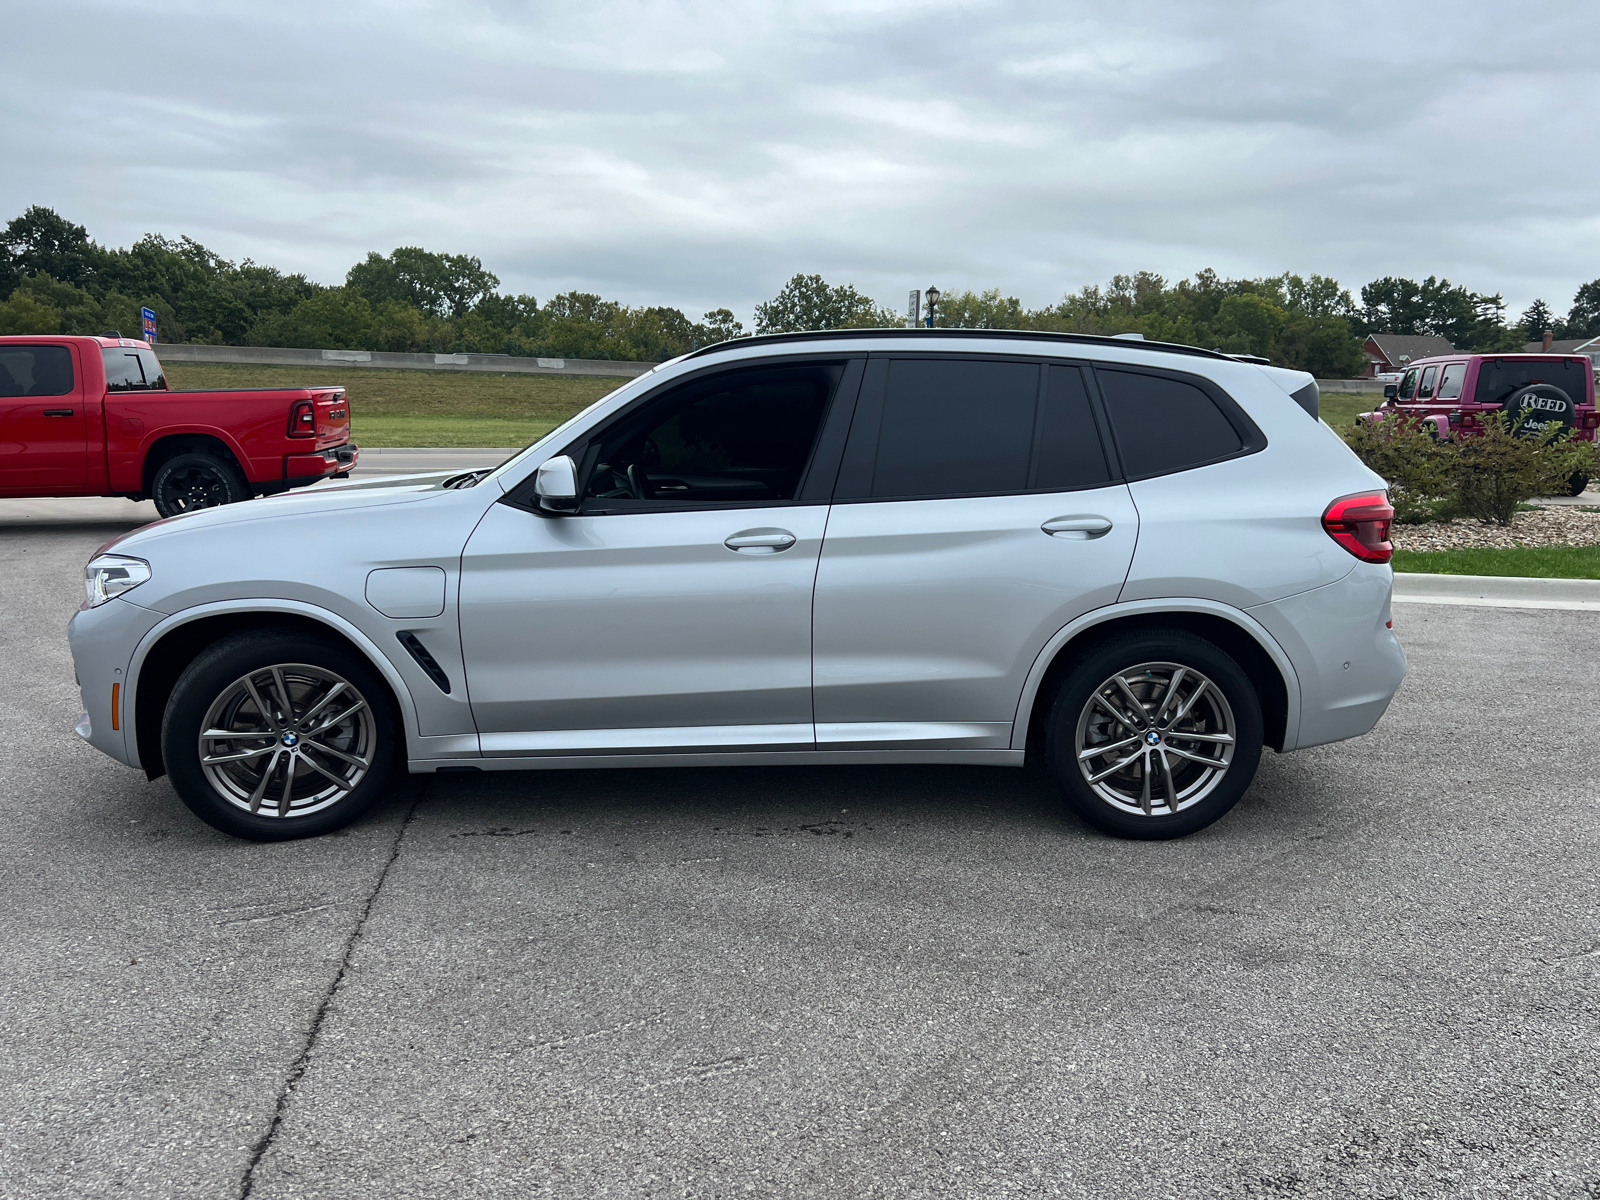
(1563, 526)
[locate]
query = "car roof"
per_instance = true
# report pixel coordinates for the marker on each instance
(936, 335)
(1519, 356)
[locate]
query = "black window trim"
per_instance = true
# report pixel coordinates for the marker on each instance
(822, 464)
(861, 456)
(1251, 439)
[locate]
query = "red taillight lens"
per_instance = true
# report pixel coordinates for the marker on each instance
(1360, 523)
(303, 419)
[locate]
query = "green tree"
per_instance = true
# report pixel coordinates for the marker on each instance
(720, 326)
(1536, 320)
(807, 302)
(1583, 318)
(1249, 324)
(25, 313)
(41, 242)
(980, 310)
(440, 284)
(336, 319)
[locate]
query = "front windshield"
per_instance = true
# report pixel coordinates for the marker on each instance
(556, 433)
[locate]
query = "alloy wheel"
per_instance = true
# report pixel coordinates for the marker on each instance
(1155, 739)
(287, 740)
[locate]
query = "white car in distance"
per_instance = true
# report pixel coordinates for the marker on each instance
(1141, 562)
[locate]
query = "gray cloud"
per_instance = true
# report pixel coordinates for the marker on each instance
(698, 154)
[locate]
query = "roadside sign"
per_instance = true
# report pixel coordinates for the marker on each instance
(149, 325)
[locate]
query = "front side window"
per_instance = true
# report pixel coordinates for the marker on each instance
(741, 436)
(1408, 385)
(35, 371)
(1164, 425)
(1450, 381)
(131, 369)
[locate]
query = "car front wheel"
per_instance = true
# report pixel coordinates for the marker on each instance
(271, 736)
(1154, 735)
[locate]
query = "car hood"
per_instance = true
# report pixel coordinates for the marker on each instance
(322, 499)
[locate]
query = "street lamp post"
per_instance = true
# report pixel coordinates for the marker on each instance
(933, 298)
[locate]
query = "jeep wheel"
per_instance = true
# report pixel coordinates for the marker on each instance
(1154, 735)
(1577, 483)
(271, 736)
(188, 482)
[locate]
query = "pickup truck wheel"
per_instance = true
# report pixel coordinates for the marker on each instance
(190, 481)
(1154, 735)
(271, 736)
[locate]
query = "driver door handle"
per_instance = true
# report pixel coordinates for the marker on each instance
(760, 541)
(1082, 529)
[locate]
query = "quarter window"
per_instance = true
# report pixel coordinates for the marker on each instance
(1450, 382)
(1164, 425)
(35, 371)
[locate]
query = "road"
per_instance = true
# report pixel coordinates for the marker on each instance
(1380, 975)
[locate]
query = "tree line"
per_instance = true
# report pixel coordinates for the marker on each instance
(55, 279)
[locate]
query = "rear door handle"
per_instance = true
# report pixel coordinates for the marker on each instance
(58, 412)
(760, 541)
(1082, 529)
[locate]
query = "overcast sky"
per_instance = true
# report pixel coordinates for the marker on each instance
(699, 154)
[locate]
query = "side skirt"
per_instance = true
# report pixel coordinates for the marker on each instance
(749, 758)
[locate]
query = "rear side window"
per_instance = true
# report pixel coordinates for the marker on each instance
(129, 369)
(1450, 381)
(1425, 389)
(1499, 377)
(1164, 425)
(953, 427)
(35, 371)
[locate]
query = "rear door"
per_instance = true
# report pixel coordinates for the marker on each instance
(44, 438)
(976, 514)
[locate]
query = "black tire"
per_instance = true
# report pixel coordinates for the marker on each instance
(209, 692)
(1577, 483)
(1204, 793)
(1539, 406)
(187, 482)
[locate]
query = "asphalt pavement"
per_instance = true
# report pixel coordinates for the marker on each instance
(1379, 976)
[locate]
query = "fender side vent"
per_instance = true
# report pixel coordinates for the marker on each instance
(426, 661)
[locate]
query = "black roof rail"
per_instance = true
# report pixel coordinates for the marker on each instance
(1079, 339)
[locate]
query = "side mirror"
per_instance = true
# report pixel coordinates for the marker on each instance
(1390, 391)
(556, 484)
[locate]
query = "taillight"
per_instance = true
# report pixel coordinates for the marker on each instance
(303, 419)
(1360, 523)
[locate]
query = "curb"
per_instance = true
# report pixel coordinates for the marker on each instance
(1497, 591)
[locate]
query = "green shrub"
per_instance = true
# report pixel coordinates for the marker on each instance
(1503, 467)
(1420, 469)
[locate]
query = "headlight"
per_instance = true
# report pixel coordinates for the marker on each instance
(109, 575)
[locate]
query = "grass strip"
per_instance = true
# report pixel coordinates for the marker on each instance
(1541, 562)
(423, 408)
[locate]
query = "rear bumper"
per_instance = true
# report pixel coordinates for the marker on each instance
(1348, 660)
(335, 462)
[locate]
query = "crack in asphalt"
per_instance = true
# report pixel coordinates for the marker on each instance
(308, 1046)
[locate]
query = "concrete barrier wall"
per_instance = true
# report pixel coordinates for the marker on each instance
(498, 364)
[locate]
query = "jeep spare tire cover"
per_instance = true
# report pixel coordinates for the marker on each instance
(1544, 405)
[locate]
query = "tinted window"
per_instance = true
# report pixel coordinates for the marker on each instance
(1425, 390)
(1408, 385)
(1450, 381)
(132, 370)
(739, 436)
(35, 371)
(954, 427)
(1068, 453)
(1498, 378)
(1163, 424)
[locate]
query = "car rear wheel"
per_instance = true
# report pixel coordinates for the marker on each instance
(187, 482)
(1154, 735)
(271, 736)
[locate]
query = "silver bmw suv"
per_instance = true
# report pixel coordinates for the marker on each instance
(1137, 562)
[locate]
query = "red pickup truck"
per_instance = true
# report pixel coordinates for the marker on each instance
(93, 416)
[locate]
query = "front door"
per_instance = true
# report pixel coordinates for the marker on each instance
(44, 441)
(672, 612)
(976, 516)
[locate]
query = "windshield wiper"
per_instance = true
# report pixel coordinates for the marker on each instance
(466, 479)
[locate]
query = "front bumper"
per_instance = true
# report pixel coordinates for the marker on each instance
(103, 641)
